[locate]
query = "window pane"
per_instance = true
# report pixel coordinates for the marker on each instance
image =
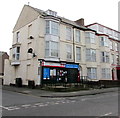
(69, 52)
(90, 37)
(78, 53)
(54, 28)
(47, 48)
(68, 33)
(92, 73)
(77, 36)
(90, 55)
(18, 37)
(47, 27)
(105, 73)
(54, 49)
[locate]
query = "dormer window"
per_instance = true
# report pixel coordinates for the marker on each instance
(52, 13)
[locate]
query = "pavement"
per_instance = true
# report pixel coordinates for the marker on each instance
(44, 93)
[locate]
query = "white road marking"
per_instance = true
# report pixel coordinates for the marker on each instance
(107, 114)
(73, 101)
(10, 108)
(37, 105)
(56, 103)
(13, 108)
(26, 105)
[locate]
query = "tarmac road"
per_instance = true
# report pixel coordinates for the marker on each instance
(98, 105)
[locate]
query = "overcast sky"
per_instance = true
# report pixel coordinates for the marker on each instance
(104, 12)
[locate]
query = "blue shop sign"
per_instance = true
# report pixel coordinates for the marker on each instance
(46, 73)
(71, 66)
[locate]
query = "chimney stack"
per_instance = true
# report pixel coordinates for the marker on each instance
(80, 22)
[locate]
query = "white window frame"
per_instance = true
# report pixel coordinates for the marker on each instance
(18, 37)
(78, 53)
(16, 53)
(92, 73)
(90, 37)
(111, 45)
(101, 28)
(116, 46)
(52, 27)
(78, 39)
(104, 41)
(50, 50)
(105, 73)
(68, 33)
(112, 59)
(69, 52)
(105, 57)
(90, 55)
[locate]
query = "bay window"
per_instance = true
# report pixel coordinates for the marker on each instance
(51, 49)
(16, 53)
(52, 27)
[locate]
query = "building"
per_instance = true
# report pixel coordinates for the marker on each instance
(3, 56)
(48, 48)
(109, 40)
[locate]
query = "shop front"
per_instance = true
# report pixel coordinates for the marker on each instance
(59, 72)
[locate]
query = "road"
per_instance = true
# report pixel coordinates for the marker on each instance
(99, 105)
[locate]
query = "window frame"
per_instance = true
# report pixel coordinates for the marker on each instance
(68, 33)
(105, 73)
(90, 57)
(68, 52)
(92, 72)
(90, 37)
(105, 57)
(52, 27)
(78, 54)
(78, 36)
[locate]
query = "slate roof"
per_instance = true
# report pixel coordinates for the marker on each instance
(43, 13)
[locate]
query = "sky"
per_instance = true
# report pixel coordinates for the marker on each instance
(104, 12)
